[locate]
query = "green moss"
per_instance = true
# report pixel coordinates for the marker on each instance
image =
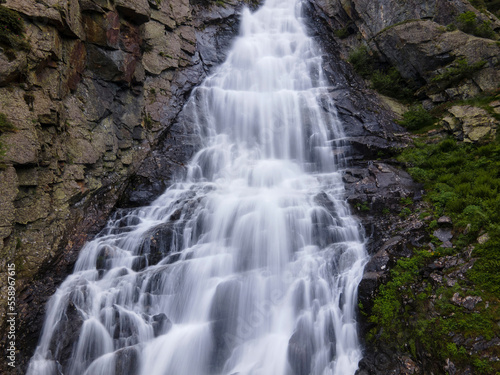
(451, 27)
(12, 29)
(362, 206)
(148, 121)
(5, 124)
(463, 182)
(163, 54)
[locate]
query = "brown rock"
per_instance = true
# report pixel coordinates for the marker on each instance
(136, 11)
(77, 63)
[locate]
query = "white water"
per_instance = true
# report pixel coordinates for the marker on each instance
(253, 256)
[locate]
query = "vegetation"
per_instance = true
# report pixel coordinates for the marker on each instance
(362, 206)
(11, 29)
(481, 101)
(343, 32)
(390, 83)
(5, 124)
(469, 23)
(362, 61)
(148, 121)
(386, 80)
(492, 5)
(417, 118)
(458, 71)
(463, 182)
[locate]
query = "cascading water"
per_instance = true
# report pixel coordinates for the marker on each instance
(247, 265)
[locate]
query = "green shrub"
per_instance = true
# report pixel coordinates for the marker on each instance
(392, 84)
(492, 5)
(463, 182)
(468, 23)
(458, 71)
(362, 61)
(342, 33)
(484, 30)
(417, 118)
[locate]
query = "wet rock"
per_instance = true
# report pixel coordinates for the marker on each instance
(67, 333)
(447, 245)
(161, 324)
(160, 241)
(127, 360)
(301, 349)
(378, 262)
(225, 326)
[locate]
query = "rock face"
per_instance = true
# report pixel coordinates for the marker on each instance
(100, 86)
(413, 37)
(470, 124)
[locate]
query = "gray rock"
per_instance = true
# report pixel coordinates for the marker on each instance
(445, 221)
(443, 234)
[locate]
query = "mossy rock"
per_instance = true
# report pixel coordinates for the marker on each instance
(11, 29)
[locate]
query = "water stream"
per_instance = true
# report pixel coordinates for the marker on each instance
(249, 264)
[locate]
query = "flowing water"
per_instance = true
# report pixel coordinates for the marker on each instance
(250, 263)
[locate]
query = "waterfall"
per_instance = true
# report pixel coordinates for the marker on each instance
(248, 264)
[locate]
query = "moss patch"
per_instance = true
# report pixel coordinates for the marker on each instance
(420, 315)
(11, 29)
